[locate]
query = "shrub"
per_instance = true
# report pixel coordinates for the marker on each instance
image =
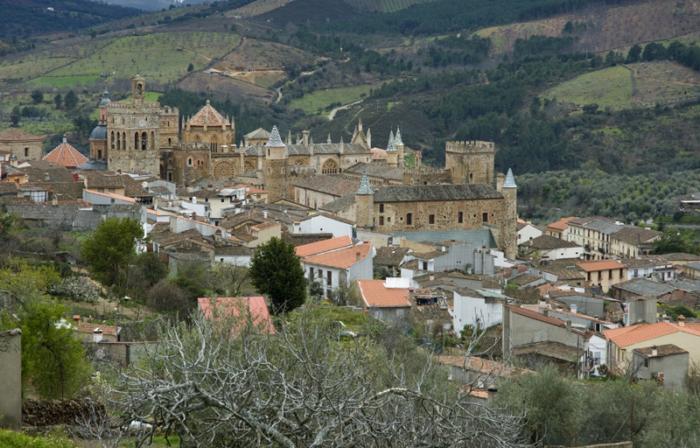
(11, 439)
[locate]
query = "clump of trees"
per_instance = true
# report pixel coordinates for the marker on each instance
(563, 411)
(110, 248)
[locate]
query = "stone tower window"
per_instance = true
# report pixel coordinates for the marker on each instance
(144, 141)
(26, 152)
(485, 217)
(189, 161)
(409, 219)
(112, 139)
(460, 217)
(136, 140)
(431, 219)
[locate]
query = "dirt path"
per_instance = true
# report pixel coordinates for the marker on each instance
(332, 114)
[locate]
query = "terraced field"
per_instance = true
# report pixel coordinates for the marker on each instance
(631, 86)
(159, 57)
(320, 100)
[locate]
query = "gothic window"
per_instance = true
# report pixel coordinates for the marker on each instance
(189, 161)
(112, 139)
(153, 140)
(329, 167)
(136, 140)
(170, 141)
(144, 141)
(213, 143)
(123, 140)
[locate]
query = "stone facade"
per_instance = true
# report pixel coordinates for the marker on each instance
(470, 162)
(133, 132)
(21, 145)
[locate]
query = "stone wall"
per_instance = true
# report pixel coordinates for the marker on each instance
(470, 162)
(11, 379)
(24, 150)
(58, 412)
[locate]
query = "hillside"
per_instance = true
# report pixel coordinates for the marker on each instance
(601, 28)
(23, 18)
(630, 86)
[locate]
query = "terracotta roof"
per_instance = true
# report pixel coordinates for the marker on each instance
(376, 295)
(626, 336)
(561, 224)
(601, 265)
(16, 134)
(342, 258)
(65, 155)
(378, 154)
(323, 246)
(208, 116)
(254, 308)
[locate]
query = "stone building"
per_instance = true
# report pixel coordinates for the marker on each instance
(209, 127)
(470, 162)
(21, 145)
(137, 130)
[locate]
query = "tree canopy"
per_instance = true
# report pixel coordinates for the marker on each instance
(276, 272)
(110, 248)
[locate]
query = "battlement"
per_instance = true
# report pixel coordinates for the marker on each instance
(470, 146)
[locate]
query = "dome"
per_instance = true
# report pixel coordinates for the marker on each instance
(99, 133)
(105, 101)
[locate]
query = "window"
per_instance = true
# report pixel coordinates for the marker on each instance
(26, 152)
(409, 219)
(311, 274)
(170, 141)
(329, 279)
(381, 208)
(425, 265)
(485, 217)
(189, 161)
(381, 220)
(460, 217)
(431, 219)
(144, 141)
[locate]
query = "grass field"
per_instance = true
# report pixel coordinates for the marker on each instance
(159, 57)
(634, 85)
(503, 37)
(317, 102)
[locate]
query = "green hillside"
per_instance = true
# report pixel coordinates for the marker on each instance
(160, 57)
(628, 86)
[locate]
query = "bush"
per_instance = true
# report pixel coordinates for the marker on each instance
(80, 289)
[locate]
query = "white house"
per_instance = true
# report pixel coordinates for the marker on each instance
(527, 232)
(336, 262)
(322, 223)
(482, 308)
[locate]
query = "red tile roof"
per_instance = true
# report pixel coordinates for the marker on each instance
(65, 155)
(376, 295)
(601, 265)
(341, 258)
(626, 336)
(208, 116)
(562, 224)
(323, 246)
(254, 308)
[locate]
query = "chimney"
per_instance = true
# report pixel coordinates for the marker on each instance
(97, 335)
(654, 351)
(305, 137)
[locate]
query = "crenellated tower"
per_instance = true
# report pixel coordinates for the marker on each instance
(470, 162)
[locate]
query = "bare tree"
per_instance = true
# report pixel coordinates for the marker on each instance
(300, 387)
